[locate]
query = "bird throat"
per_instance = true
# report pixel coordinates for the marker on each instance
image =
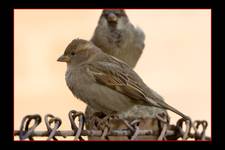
(115, 37)
(112, 25)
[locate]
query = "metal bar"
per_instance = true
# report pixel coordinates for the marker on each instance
(92, 133)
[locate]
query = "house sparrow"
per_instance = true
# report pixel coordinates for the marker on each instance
(116, 36)
(106, 83)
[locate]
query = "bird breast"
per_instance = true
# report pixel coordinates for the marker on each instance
(83, 86)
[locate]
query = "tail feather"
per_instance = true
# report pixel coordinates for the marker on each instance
(162, 104)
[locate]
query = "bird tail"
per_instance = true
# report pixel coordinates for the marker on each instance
(162, 104)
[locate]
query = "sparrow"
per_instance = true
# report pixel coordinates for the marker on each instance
(106, 83)
(117, 36)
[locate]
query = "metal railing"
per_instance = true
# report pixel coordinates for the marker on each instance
(191, 130)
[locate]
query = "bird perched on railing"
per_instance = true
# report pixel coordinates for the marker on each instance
(106, 83)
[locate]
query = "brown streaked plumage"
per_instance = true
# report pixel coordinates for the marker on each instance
(106, 83)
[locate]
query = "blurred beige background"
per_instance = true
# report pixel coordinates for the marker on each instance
(176, 60)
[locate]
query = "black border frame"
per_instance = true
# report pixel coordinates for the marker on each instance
(7, 59)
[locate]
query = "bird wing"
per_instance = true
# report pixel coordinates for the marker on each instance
(117, 75)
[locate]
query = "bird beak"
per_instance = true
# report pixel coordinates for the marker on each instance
(112, 17)
(64, 58)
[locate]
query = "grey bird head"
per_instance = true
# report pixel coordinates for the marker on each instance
(78, 51)
(113, 18)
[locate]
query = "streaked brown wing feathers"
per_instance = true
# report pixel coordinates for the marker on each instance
(117, 78)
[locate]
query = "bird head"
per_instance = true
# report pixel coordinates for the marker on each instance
(114, 18)
(78, 51)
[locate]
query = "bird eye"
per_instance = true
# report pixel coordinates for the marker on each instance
(72, 53)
